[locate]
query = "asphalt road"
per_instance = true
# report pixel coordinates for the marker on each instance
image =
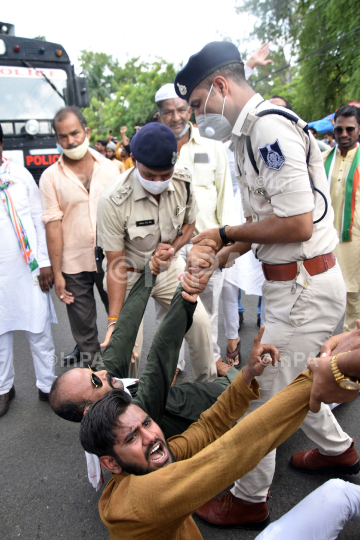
(44, 491)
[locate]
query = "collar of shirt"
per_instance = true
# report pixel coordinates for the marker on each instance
(195, 135)
(249, 106)
(350, 155)
(68, 172)
(141, 193)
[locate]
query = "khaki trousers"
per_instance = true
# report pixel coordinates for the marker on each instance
(199, 335)
(298, 324)
(352, 311)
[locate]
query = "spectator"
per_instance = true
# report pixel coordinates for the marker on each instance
(282, 102)
(70, 190)
(110, 154)
(26, 277)
(321, 144)
(100, 146)
(329, 138)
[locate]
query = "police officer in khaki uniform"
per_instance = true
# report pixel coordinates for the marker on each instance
(304, 290)
(149, 213)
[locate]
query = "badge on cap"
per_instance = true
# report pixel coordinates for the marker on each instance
(182, 89)
(174, 158)
(272, 155)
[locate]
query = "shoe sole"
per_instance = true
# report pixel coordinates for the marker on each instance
(336, 469)
(251, 525)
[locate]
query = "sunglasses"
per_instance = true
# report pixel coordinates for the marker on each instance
(349, 130)
(97, 384)
(95, 379)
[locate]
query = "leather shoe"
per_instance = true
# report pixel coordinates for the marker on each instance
(5, 401)
(312, 461)
(43, 396)
(230, 512)
(73, 357)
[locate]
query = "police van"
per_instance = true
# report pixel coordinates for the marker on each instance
(36, 80)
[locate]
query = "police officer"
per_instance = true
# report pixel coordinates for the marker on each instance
(149, 213)
(304, 290)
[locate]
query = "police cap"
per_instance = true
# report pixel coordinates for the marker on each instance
(213, 56)
(155, 146)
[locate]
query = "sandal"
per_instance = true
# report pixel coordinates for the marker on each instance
(231, 355)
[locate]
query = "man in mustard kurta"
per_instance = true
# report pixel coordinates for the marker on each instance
(342, 166)
(157, 485)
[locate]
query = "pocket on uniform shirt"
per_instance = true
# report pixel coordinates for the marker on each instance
(143, 237)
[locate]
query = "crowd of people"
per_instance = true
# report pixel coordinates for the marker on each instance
(191, 213)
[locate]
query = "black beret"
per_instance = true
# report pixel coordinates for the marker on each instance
(155, 146)
(213, 56)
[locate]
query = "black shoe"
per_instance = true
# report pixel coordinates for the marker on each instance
(43, 396)
(73, 357)
(241, 319)
(258, 321)
(5, 401)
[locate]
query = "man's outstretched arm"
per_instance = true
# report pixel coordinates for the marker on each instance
(163, 356)
(117, 355)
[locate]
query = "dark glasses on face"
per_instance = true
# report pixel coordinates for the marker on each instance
(95, 379)
(349, 130)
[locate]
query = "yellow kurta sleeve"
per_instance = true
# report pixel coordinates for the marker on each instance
(159, 504)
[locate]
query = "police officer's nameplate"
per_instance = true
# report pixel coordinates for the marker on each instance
(145, 222)
(272, 155)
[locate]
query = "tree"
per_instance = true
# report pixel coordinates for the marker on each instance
(320, 38)
(122, 95)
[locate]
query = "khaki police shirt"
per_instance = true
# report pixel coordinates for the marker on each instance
(285, 191)
(211, 181)
(130, 218)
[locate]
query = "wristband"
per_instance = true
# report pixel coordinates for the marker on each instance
(225, 240)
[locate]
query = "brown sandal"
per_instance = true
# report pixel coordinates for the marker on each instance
(233, 354)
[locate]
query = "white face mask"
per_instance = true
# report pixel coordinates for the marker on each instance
(185, 130)
(78, 152)
(214, 126)
(155, 188)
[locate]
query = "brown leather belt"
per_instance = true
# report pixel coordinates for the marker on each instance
(134, 270)
(287, 272)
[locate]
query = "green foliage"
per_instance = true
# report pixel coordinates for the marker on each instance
(122, 96)
(325, 70)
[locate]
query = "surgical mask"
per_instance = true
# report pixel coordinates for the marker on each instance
(155, 188)
(78, 152)
(59, 149)
(326, 141)
(185, 130)
(214, 126)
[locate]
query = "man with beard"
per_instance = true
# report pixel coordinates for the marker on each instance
(110, 154)
(342, 167)
(70, 190)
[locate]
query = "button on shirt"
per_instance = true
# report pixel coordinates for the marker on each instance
(285, 192)
(130, 218)
(207, 162)
(65, 198)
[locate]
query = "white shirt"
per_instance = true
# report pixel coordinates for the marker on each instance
(207, 162)
(23, 306)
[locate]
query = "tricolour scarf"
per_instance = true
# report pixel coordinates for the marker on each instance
(20, 232)
(351, 185)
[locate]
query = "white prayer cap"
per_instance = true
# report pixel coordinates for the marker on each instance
(166, 92)
(111, 146)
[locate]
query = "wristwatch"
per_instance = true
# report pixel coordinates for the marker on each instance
(225, 240)
(348, 383)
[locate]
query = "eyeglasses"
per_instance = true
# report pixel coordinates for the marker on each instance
(96, 382)
(349, 130)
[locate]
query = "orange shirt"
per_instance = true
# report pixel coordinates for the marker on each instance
(65, 198)
(128, 163)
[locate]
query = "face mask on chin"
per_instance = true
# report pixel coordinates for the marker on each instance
(78, 152)
(155, 188)
(185, 130)
(214, 126)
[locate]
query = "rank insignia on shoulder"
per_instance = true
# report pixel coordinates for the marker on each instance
(272, 155)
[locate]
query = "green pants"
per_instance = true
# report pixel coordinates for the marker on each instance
(174, 408)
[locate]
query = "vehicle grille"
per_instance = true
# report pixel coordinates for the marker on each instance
(36, 173)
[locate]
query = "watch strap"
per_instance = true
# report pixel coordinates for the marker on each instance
(225, 240)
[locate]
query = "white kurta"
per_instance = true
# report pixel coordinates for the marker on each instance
(247, 272)
(23, 306)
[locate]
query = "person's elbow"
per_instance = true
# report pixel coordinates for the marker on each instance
(302, 227)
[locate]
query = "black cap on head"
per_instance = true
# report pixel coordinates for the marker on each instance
(213, 56)
(155, 146)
